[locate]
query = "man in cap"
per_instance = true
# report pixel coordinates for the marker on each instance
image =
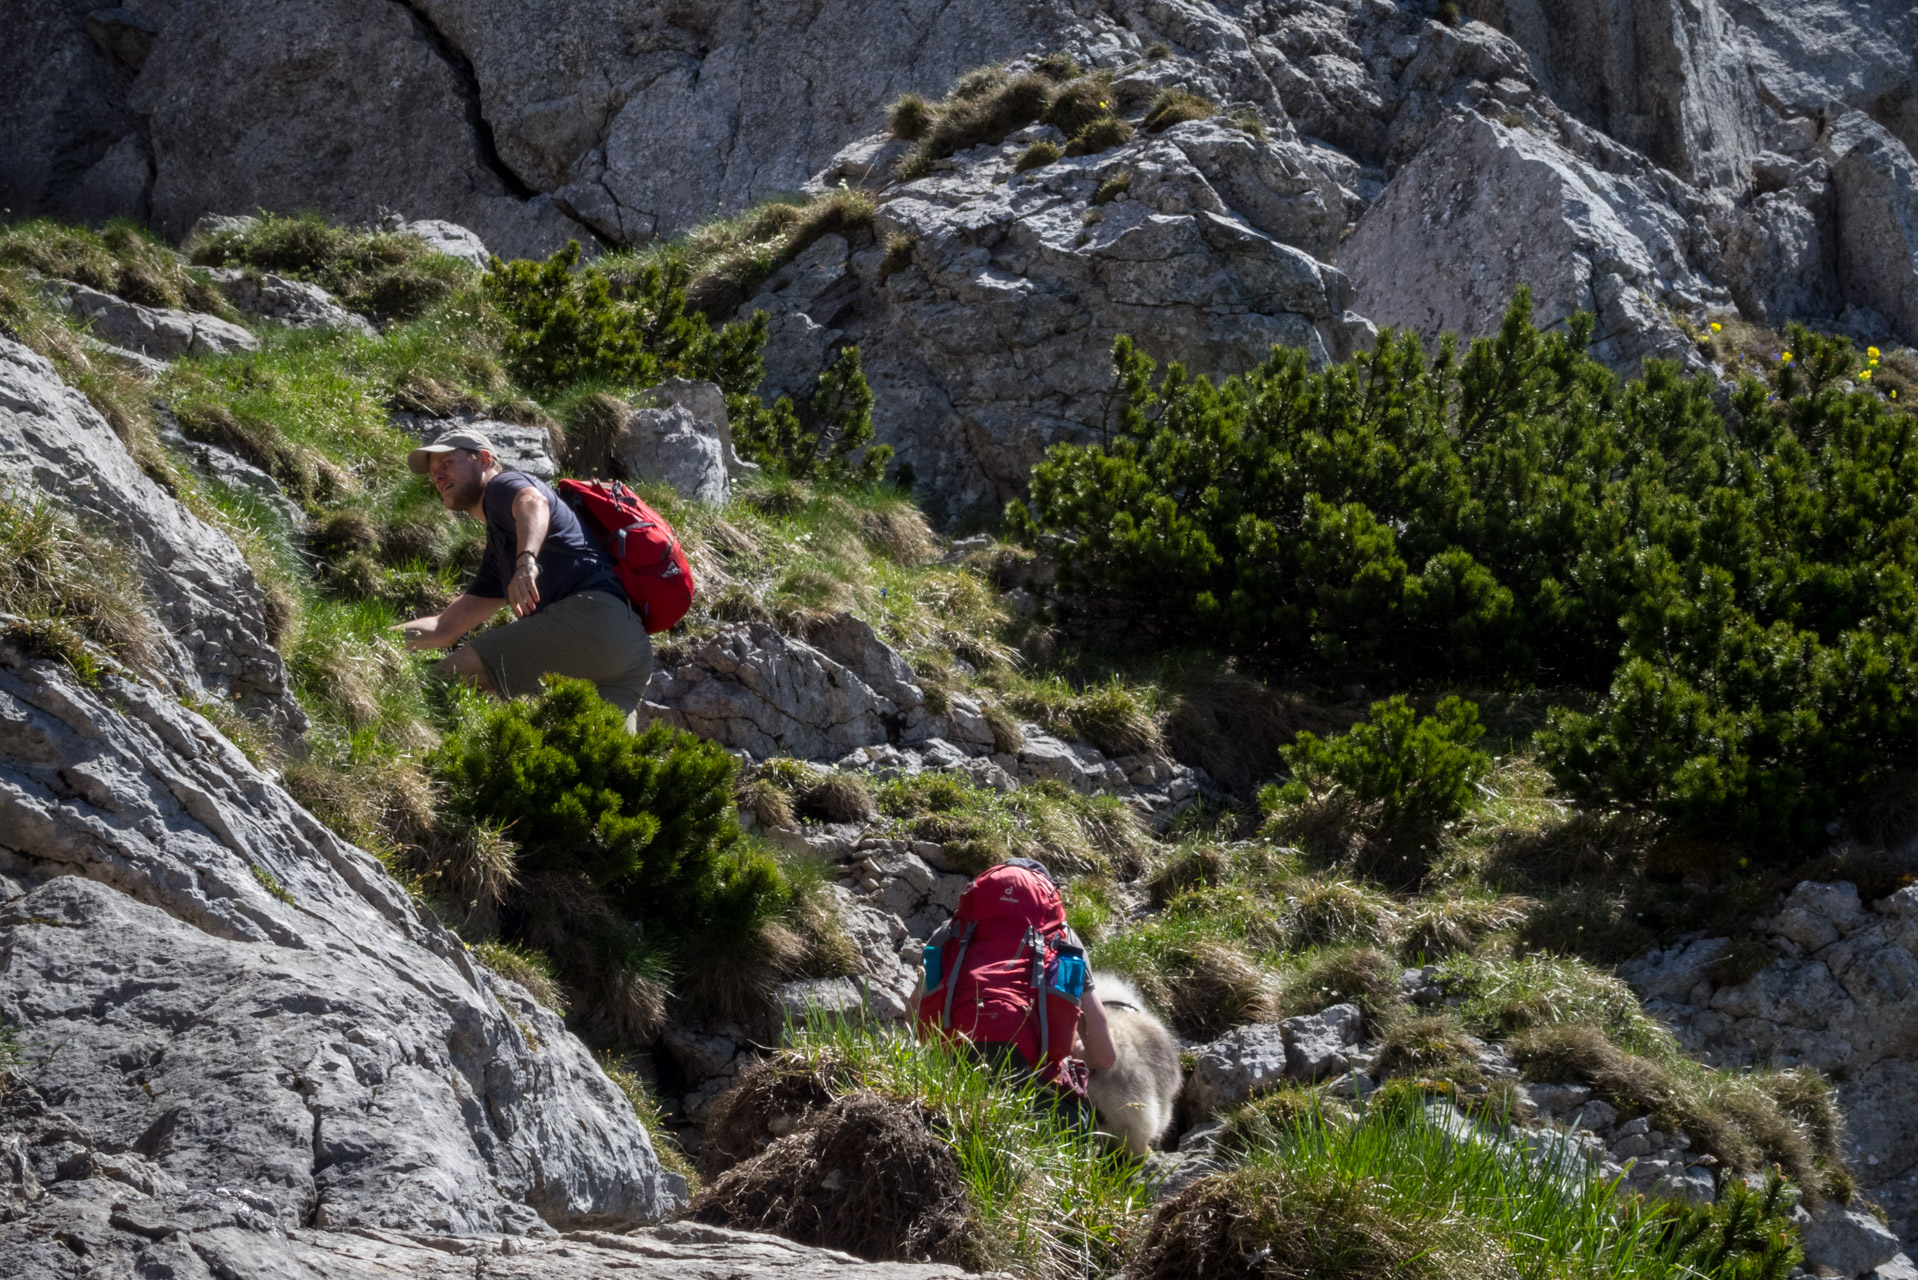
(571, 616)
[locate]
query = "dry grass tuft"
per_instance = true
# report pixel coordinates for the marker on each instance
(1207, 989)
(1099, 135)
(527, 967)
(837, 797)
(1363, 976)
(1446, 924)
(1196, 868)
(1175, 106)
(1037, 156)
(1430, 1045)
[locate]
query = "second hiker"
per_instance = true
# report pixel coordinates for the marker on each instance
(571, 616)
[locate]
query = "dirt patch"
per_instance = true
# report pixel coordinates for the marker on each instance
(769, 1100)
(865, 1175)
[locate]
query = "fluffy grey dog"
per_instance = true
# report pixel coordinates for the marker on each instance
(1135, 1098)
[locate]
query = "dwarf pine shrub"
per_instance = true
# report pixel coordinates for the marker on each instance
(1732, 580)
(647, 818)
(1418, 769)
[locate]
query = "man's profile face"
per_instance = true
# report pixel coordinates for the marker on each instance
(457, 475)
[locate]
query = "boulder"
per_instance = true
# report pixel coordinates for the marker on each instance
(1486, 207)
(517, 447)
(1847, 1241)
(707, 403)
(210, 608)
(1321, 1044)
(672, 447)
(163, 333)
(293, 303)
(1875, 184)
(227, 1004)
(448, 238)
(1244, 1061)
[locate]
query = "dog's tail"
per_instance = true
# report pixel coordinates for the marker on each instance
(1116, 992)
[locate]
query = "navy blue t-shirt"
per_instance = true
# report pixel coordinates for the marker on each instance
(570, 560)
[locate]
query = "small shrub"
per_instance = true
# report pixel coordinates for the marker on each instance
(1112, 188)
(1420, 770)
(1036, 156)
(1101, 134)
(831, 439)
(1175, 106)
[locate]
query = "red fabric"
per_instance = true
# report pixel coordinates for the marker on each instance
(993, 998)
(646, 555)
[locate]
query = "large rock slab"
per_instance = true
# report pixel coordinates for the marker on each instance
(1486, 208)
(673, 447)
(164, 333)
(1241, 1063)
(293, 303)
(219, 997)
(209, 605)
(1875, 182)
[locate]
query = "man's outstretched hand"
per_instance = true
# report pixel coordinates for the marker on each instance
(523, 591)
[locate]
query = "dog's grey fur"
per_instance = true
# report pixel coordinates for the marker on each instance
(1136, 1097)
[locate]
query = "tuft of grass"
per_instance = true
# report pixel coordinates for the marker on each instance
(122, 258)
(645, 1106)
(910, 117)
(271, 883)
(1447, 923)
(1431, 1046)
(1111, 189)
(1175, 106)
(1502, 997)
(1098, 135)
(67, 587)
(1363, 976)
(1326, 911)
(387, 275)
(837, 797)
(1038, 155)
(1080, 102)
(529, 967)
(1048, 1201)
(1399, 1192)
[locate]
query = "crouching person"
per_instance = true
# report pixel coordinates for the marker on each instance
(571, 617)
(1007, 977)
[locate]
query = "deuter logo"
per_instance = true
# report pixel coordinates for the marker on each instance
(1010, 895)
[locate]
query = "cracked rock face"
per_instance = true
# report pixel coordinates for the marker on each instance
(225, 1009)
(1840, 997)
(992, 341)
(207, 602)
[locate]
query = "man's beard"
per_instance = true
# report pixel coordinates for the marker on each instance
(463, 496)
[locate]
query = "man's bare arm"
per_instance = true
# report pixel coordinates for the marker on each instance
(531, 519)
(454, 621)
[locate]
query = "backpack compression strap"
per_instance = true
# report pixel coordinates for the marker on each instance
(1038, 944)
(952, 975)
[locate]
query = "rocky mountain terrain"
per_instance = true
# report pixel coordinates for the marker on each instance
(1411, 172)
(281, 995)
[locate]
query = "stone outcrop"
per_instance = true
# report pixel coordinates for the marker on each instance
(209, 607)
(990, 340)
(1486, 207)
(293, 303)
(164, 333)
(673, 447)
(1839, 998)
(221, 1004)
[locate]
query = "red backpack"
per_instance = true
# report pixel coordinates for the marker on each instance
(1008, 970)
(651, 564)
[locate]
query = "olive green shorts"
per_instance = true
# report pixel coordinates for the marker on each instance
(589, 636)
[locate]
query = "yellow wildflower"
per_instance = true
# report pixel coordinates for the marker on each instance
(1716, 327)
(1786, 358)
(1865, 376)
(1872, 352)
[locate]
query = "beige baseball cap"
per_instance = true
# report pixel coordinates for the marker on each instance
(421, 459)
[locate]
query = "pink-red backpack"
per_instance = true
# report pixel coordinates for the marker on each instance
(646, 554)
(1007, 970)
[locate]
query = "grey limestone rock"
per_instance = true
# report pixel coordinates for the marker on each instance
(1485, 208)
(209, 607)
(1838, 998)
(707, 403)
(1847, 1241)
(448, 238)
(1321, 1044)
(202, 976)
(1875, 183)
(1898, 1268)
(293, 303)
(671, 446)
(163, 333)
(517, 447)
(1242, 1062)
